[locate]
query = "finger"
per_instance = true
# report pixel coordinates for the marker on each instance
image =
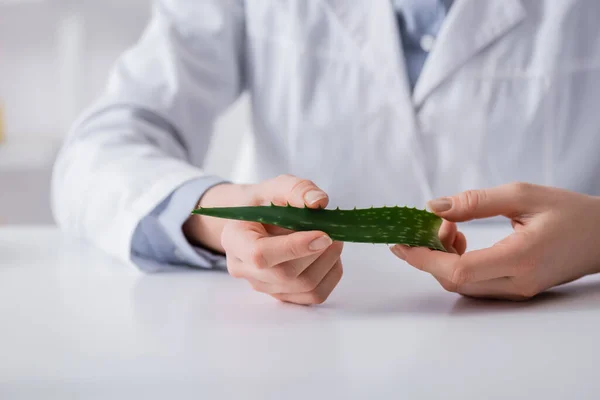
(251, 243)
(283, 275)
(237, 237)
(500, 260)
(510, 200)
(460, 243)
(439, 264)
(238, 269)
(320, 294)
(310, 279)
(447, 234)
(277, 230)
(495, 289)
(295, 191)
(281, 278)
(276, 250)
(260, 286)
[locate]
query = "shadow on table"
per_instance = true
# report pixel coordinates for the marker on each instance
(199, 321)
(571, 297)
(211, 296)
(214, 295)
(582, 295)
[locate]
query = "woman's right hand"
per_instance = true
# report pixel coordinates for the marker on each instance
(296, 267)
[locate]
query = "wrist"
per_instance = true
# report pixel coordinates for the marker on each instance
(206, 231)
(224, 195)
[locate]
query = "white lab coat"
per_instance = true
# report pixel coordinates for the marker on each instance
(510, 92)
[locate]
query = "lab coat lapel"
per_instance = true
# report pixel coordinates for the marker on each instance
(470, 27)
(372, 29)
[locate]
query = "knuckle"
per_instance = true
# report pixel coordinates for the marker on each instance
(292, 247)
(336, 248)
(317, 297)
(520, 189)
(257, 287)
(257, 257)
(418, 264)
(339, 269)
(232, 232)
(233, 270)
(301, 184)
(448, 286)
(527, 290)
(285, 177)
(226, 235)
(471, 199)
(285, 273)
(281, 298)
(306, 283)
(461, 275)
(338, 273)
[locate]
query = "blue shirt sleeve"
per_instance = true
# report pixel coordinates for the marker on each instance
(159, 243)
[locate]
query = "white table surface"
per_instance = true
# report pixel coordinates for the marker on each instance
(77, 324)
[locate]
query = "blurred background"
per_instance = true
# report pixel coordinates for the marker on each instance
(55, 56)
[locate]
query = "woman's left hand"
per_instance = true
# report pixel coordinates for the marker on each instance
(555, 241)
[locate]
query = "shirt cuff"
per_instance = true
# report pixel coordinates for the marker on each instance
(159, 242)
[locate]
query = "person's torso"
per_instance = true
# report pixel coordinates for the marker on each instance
(510, 92)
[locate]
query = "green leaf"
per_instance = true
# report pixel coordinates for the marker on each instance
(386, 225)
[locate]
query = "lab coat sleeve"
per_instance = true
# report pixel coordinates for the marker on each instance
(158, 241)
(148, 134)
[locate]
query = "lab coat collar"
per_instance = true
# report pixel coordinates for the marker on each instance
(470, 27)
(372, 28)
(373, 33)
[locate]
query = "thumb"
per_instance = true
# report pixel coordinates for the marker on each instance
(511, 201)
(296, 191)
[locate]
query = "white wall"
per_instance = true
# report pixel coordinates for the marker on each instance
(37, 89)
(33, 82)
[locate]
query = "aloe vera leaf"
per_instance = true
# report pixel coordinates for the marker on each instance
(386, 225)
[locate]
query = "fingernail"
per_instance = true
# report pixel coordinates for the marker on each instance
(313, 196)
(440, 205)
(399, 251)
(320, 244)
